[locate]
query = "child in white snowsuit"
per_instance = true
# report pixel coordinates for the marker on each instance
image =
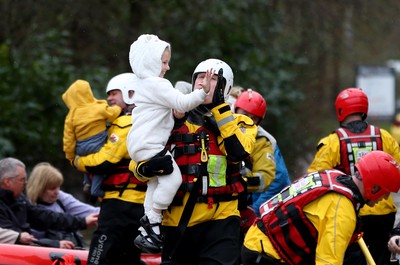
(152, 123)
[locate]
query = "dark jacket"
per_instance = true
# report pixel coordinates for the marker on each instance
(20, 215)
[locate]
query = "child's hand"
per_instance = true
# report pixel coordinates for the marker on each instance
(205, 84)
(178, 115)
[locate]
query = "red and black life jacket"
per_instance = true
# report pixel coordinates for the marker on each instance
(120, 180)
(293, 236)
(192, 152)
(355, 145)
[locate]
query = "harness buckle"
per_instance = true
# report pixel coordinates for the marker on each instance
(203, 137)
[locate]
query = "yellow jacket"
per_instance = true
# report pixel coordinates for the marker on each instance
(328, 156)
(87, 116)
(263, 164)
(333, 215)
(113, 152)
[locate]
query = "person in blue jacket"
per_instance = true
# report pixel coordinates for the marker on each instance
(282, 179)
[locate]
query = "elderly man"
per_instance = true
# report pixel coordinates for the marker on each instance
(18, 214)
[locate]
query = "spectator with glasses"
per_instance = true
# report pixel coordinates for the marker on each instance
(18, 214)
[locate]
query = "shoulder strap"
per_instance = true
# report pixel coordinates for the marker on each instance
(61, 205)
(186, 214)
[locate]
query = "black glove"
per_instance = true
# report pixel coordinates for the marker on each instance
(160, 164)
(253, 181)
(218, 97)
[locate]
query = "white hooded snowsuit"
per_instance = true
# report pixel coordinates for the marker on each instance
(152, 118)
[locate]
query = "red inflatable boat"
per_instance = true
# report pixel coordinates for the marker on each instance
(35, 255)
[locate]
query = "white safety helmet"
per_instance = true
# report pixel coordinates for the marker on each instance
(123, 82)
(216, 64)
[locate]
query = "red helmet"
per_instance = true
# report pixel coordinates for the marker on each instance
(252, 102)
(349, 101)
(380, 173)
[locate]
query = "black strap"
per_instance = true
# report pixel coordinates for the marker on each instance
(61, 205)
(124, 187)
(301, 227)
(294, 215)
(186, 138)
(197, 170)
(283, 223)
(189, 149)
(217, 198)
(192, 169)
(189, 186)
(186, 214)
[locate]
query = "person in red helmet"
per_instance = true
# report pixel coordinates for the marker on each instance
(313, 220)
(265, 169)
(341, 150)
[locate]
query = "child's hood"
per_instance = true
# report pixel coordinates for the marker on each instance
(79, 93)
(145, 55)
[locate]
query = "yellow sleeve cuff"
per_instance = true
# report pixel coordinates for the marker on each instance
(78, 164)
(133, 166)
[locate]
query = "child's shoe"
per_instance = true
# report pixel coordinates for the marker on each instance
(148, 241)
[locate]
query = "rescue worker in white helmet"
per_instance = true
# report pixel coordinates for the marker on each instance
(313, 220)
(122, 205)
(202, 224)
(341, 150)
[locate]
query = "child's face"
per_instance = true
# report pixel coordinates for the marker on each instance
(165, 58)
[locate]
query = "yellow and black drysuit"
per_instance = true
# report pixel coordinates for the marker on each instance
(208, 150)
(260, 164)
(122, 205)
(340, 150)
(310, 222)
